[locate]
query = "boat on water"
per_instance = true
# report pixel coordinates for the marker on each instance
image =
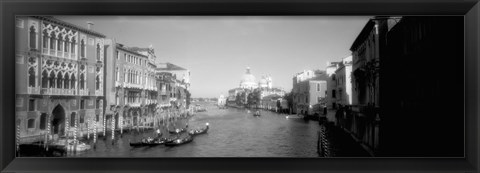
(177, 131)
(179, 141)
(294, 117)
(198, 131)
(71, 146)
(149, 142)
(256, 114)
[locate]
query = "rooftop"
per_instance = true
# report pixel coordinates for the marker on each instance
(66, 24)
(169, 67)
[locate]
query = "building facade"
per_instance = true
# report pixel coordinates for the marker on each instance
(173, 83)
(132, 87)
(344, 82)
(309, 89)
(332, 93)
(62, 91)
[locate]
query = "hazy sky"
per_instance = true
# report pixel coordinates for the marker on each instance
(217, 49)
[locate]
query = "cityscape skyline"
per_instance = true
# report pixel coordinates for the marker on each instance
(230, 44)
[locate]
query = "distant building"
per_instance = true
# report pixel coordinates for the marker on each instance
(222, 100)
(174, 82)
(309, 88)
(180, 73)
(332, 92)
(265, 82)
(248, 80)
(344, 82)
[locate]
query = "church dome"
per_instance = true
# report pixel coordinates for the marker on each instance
(248, 80)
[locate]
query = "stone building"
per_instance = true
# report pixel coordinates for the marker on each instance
(309, 89)
(344, 82)
(60, 78)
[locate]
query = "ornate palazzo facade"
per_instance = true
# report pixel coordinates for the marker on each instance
(62, 91)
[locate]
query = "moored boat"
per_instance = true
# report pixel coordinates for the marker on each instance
(198, 131)
(177, 131)
(256, 114)
(180, 141)
(149, 142)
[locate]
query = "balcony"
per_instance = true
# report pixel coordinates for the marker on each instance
(33, 90)
(134, 104)
(59, 53)
(52, 52)
(118, 84)
(98, 93)
(56, 91)
(130, 85)
(66, 55)
(84, 92)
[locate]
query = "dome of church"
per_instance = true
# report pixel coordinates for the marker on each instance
(248, 80)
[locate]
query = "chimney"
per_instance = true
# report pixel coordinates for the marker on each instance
(89, 25)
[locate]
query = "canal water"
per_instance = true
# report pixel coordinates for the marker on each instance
(233, 132)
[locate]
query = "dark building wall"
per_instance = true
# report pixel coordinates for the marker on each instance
(422, 88)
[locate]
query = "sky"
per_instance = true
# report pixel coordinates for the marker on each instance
(217, 49)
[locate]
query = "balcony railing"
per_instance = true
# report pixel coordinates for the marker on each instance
(84, 92)
(118, 84)
(52, 52)
(57, 91)
(134, 104)
(99, 92)
(33, 90)
(129, 85)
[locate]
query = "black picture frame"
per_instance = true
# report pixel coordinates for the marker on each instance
(9, 8)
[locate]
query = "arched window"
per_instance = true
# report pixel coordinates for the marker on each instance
(73, 45)
(52, 41)
(82, 49)
(43, 121)
(82, 81)
(98, 52)
(52, 79)
(44, 79)
(33, 38)
(45, 39)
(66, 82)
(72, 82)
(31, 77)
(97, 83)
(59, 80)
(72, 119)
(59, 42)
(65, 47)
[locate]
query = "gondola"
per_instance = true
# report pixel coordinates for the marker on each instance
(177, 131)
(256, 114)
(149, 142)
(198, 131)
(176, 142)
